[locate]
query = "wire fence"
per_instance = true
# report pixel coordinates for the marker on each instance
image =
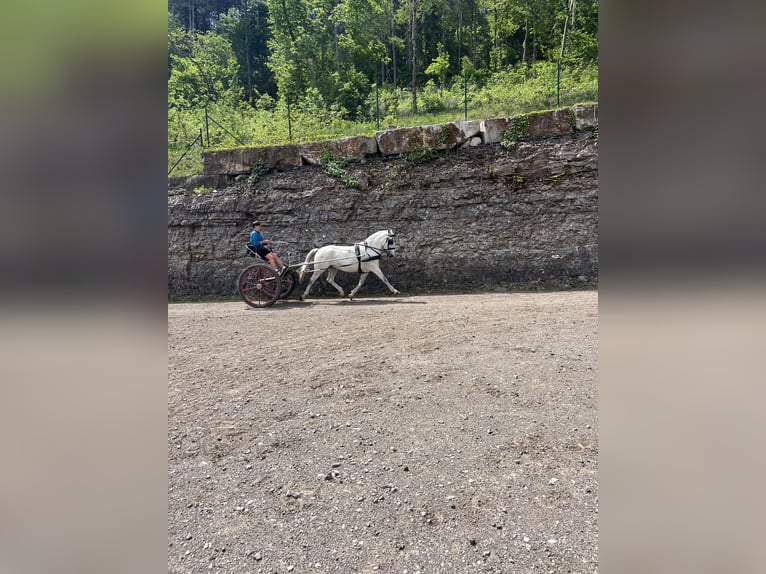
(294, 121)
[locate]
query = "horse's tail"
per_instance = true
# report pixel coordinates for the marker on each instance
(306, 263)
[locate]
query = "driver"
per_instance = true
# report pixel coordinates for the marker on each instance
(258, 244)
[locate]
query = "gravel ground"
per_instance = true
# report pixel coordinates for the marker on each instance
(450, 433)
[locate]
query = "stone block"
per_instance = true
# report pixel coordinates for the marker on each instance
(241, 160)
(404, 140)
(468, 129)
(586, 116)
(472, 142)
(550, 123)
(492, 129)
(355, 147)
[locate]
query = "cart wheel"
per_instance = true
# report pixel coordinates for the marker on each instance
(288, 283)
(259, 285)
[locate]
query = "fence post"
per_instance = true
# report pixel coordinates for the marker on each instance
(289, 122)
(465, 96)
(207, 128)
(558, 83)
(377, 108)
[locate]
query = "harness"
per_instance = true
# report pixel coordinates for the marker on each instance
(358, 252)
(378, 251)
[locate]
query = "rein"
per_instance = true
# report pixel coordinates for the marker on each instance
(361, 256)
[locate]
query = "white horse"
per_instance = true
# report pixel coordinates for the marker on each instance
(362, 258)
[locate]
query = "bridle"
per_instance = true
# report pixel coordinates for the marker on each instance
(390, 246)
(388, 249)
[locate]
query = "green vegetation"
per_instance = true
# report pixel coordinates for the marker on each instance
(420, 155)
(518, 129)
(269, 72)
(256, 172)
(336, 167)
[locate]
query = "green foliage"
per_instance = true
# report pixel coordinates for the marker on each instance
(420, 156)
(351, 91)
(256, 172)
(203, 70)
(431, 100)
(244, 60)
(439, 67)
(518, 129)
(335, 167)
(284, 47)
(445, 134)
(246, 28)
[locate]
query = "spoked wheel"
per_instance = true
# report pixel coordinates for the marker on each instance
(288, 283)
(259, 285)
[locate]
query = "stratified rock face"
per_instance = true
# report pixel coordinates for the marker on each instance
(475, 216)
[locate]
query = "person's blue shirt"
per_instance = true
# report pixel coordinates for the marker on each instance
(256, 239)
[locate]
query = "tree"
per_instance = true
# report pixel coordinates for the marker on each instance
(209, 73)
(439, 66)
(414, 44)
(200, 15)
(246, 28)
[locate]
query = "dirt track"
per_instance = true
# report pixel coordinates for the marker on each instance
(453, 433)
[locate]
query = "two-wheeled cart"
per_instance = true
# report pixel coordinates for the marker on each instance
(261, 286)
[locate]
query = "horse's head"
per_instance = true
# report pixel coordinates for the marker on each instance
(382, 242)
(390, 244)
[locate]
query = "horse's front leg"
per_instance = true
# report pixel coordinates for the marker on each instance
(379, 275)
(314, 277)
(331, 280)
(362, 279)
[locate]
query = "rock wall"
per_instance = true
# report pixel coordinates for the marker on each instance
(474, 216)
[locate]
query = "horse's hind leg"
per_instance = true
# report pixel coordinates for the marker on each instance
(362, 279)
(314, 277)
(379, 275)
(331, 280)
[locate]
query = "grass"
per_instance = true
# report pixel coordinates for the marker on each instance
(506, 94)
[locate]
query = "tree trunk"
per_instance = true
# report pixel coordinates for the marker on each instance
(473, 35)
(249, 67)
(524, 43)
(574, 6)
(495, 43)
(337, 49)
(393, 50)
(414, 83)
(460, 38)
